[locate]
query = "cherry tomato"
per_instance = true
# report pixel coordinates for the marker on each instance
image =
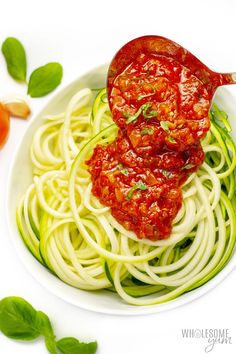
(4, 125)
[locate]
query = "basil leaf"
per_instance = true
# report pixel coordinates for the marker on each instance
(18, 319)
(147, 131)
(50, 344)
(45, 328)
(45, 79)
(71, 345)
(43, 324)
(15, 57)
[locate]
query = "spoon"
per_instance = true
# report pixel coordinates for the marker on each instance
(166, 47)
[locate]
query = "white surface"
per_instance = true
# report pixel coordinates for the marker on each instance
(82, 35)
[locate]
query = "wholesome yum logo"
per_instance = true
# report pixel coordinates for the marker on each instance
(211, 336)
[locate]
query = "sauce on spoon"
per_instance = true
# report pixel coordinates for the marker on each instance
(161, 107)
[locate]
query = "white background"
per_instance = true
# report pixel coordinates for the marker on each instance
(82, 35)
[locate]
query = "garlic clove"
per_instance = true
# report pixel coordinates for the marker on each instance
(17, 107)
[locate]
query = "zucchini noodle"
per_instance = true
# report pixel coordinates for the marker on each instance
(67, 229)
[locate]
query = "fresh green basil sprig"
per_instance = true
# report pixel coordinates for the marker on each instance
(42, 80)
(20, 321)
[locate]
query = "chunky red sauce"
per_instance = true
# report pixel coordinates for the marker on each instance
(161, 109)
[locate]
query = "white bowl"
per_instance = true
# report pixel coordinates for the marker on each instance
(21, 177)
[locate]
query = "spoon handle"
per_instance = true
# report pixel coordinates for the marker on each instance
(233, 78)
(213, 80)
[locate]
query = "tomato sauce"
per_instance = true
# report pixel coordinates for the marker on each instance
(162, 110)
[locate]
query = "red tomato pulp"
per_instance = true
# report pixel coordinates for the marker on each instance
(161, 109)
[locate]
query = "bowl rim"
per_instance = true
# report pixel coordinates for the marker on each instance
(48, 284)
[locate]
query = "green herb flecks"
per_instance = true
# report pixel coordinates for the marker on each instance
(123, 170)
(187, 167)
(139, 185)
(171, 140)
(165, 125)
(147, 131)
(166, 173)
(15, 57)
(132, 117)
(144, 109)
(149, 113)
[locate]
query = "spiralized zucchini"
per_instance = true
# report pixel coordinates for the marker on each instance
(67, 229)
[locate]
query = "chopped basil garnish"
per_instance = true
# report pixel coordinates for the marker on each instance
(144, 109)
(139, 185)
(123, 170)
(171, 140)
(149, 113)
(147, 131)
(187, 167)
(133, 117)
(165, 125)
(166, 173)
